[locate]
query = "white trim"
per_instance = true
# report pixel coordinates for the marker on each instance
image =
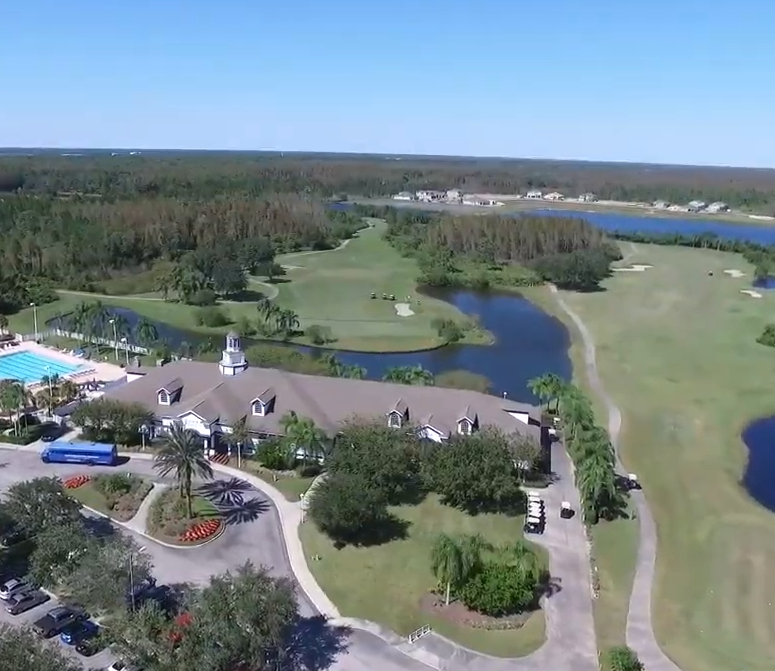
(394, 414)
(256, 405)
(163, 397)
(198, 416)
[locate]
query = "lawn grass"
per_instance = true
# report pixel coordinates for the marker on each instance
(122, 508)
(330, 288)
(614, 544)
(385, 583)
(290, 487)
(677, 351)
(334, 289)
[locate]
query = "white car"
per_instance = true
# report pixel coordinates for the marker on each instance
(11, 587)
(121, 666)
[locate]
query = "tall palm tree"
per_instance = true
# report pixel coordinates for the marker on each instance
(181, 453)
(14, 398)
(547, 387)
(3, 323)
(453, 559)
(146, 332)
(240, 434)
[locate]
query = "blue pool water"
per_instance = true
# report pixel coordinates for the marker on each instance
(30, 367)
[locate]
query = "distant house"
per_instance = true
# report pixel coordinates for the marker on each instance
(587, 198)
(404, 195)
(454, 195)
(718, 206)
(535, 194)
(430, 196)
(481, 202)
(555, 195)
(661, 204)
(696, 205)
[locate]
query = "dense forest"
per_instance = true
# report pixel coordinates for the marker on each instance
(475, 250)
(207, 175)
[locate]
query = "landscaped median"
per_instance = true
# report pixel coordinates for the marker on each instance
(117, 495)
(169, 522)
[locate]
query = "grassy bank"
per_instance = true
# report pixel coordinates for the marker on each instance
(677, 351)
(117, 495)
(386, 583)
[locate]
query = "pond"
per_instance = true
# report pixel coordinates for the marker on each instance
(528, 343)
(759, 438)
(610, 221)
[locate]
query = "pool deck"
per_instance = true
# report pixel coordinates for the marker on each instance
(92, 370)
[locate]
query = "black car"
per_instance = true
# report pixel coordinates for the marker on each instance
(57, 619)
(48, 437)
(21, 602)
(90, 646)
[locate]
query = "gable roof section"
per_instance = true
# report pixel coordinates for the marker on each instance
(328, 401)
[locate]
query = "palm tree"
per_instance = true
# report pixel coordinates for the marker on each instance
(301, 433)
(596, 480)
(287, 322)
(453, 559)
(146, 332)
(3, 324)
(519, 555)
(240, 434)
(547, 387)
(181, 453)
(414, 375)
(14, 398)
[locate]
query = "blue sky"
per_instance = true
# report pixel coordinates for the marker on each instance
(679, 82)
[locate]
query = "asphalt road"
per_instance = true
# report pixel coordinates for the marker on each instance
(252, 534)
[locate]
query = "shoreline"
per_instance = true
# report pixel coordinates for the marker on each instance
(522, 205)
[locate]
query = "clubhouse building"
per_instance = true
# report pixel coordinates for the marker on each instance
(211, 398)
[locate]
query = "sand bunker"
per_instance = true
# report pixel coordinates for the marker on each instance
(634, 268)
(752, 294)
(734, 273)
(404, 310)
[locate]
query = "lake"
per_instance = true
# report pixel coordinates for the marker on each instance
(528, 343)
(764, 235)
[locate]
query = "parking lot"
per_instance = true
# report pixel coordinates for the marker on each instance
(101, 660)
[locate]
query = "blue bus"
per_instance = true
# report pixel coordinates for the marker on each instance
(63, 452)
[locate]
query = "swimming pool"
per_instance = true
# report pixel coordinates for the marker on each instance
(30, 367)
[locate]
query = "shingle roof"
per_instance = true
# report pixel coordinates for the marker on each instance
(328, 401)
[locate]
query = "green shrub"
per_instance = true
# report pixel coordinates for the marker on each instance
(622, 658)
(211, 317)
(114, 484)
(202, 298)
(319, 335)
(498, 590)
(768, 336)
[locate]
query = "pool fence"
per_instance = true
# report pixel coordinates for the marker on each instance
(72, 335)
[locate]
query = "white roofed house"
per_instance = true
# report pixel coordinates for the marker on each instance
(431, 196)
(534, 194)
(716, 207)
(404, 195)
(696, 205)
(588, 197)
(661, 204)
(555, 195)
(454, 195)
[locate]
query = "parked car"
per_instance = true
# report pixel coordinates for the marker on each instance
(21, 602)
(48, 437)
(11, 587)
(57, 619)
(79, 631)
(122, 666)
(91, 646)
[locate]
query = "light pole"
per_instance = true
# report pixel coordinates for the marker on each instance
(126, 350)
(132, 575)
(143, 431)
(115, 337)
(35, 319)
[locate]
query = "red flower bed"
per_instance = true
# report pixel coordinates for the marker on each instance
(76, 481)
(201, 531)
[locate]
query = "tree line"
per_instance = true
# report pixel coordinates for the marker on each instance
(483, 250)
(76, 244)
(207, 175)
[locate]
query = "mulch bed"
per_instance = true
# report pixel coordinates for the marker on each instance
(457, 614)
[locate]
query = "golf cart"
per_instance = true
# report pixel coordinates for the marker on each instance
(566, 510)
(632, 481)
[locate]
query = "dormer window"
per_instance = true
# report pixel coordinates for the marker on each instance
(464, 427)
(259, 409)
(163, 397)
(395, 420)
